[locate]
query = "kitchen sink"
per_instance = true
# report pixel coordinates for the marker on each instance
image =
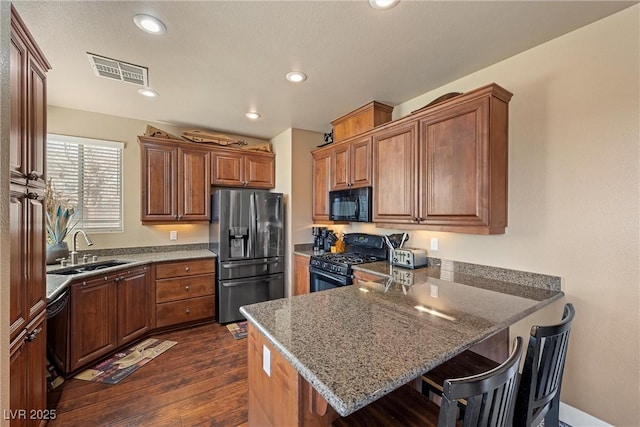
(85, 268)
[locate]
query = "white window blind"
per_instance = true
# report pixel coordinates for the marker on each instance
(89, 173)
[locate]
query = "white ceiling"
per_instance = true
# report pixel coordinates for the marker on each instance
(219, 59)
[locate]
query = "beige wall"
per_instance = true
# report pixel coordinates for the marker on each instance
(293, 178)
(573, 199)
(101, 126)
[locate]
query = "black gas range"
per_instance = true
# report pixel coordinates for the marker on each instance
(332, 270)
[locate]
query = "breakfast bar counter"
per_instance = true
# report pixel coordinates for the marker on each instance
(357, 343)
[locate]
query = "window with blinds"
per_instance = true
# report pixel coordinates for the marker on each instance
(89, 173)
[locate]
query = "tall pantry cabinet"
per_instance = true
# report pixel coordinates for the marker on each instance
(27, 314)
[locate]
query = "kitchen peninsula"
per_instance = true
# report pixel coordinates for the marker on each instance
(348, 347)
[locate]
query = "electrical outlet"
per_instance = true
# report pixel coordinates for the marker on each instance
(173, 235)
(434, 244)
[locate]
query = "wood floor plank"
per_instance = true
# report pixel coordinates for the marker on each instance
(201, 381)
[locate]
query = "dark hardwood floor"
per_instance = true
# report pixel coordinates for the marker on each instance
(201, 381)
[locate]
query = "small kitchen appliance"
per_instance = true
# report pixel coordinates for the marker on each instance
(333, 270)
(353, 205)
(409, 257)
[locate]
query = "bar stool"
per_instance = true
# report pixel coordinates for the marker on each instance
(490, 400)
(539, 390)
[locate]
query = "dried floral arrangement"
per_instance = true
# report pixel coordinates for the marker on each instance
(59, 212)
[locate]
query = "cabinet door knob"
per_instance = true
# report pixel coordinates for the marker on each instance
(32, 177)
(31, 336)
(32, 196)
(186, 268)
(187, 311)
(186, 287)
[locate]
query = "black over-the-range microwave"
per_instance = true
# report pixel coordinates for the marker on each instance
(353, 205)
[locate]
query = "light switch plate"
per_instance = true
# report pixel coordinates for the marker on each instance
(434, 243)
(266, 360)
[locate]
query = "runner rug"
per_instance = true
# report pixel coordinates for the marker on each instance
(238, 330)
(123, 364)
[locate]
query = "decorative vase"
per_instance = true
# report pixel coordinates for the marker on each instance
(56, 251)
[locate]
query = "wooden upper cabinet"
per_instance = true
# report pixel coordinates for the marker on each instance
(28, 93)
(158, 188)
(175, 181)
(395, 184)
(18, 87)
(227, 168)
(37, 110)
(194, 184)
(321, 164)
(464, 164)
(260, 170)
(236, 168)
(445, 167)
(351, 164)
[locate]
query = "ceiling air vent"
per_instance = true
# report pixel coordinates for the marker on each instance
(118, 70)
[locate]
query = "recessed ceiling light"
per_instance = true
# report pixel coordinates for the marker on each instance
(383, 4)
(296, 76)
(252, 115)
(148, 93)
(150, 24)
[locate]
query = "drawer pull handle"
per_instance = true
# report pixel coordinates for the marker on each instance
(187, 311)
(186, 288)
(186, 269)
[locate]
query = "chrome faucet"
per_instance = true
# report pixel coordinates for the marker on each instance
(74, 252)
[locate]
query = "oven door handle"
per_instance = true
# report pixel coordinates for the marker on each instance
(331, 276)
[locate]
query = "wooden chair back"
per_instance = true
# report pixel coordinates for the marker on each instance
(490, 396)
(539, 392)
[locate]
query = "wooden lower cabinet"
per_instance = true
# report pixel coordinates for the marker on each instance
(27, 375)
(135, 303)
(185, 311)
(185, 292)
(301, 275)
(93, 324)
(281, 397)
(104, 313)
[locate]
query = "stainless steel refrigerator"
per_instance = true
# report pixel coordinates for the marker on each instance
(247, 234)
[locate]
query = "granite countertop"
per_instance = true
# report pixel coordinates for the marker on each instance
(57, 283)
(354, 346)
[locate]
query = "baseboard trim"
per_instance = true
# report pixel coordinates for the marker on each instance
(576, 418)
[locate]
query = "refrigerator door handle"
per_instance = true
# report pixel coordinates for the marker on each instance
(237, 264)
(264, 280)
(252, 225)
